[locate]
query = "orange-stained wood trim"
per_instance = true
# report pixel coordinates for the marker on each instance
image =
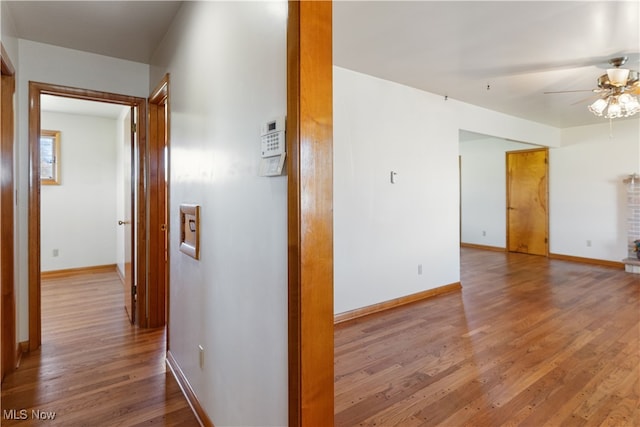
(158, 202)
(6, 66)
(33, 262)
(310, 213)
(593, 261)
(68, 272)
(188, 392)
(35, 90)
(483, 247)
(8, 338)
(394, 303)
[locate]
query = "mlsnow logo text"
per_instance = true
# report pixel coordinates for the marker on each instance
(23, 414)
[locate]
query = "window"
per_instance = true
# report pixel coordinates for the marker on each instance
(49, 157)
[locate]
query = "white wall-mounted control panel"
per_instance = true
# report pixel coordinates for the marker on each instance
(272, 147)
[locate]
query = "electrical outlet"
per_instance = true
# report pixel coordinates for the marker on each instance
(201, 356)
(419, 269)
(484, 233)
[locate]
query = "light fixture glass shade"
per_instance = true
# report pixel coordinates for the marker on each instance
(630, 104)
(598, 106)
(618, 76)
(615, 110)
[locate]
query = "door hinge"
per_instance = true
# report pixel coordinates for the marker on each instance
(134, 127)
(134, 290)
(546, 240)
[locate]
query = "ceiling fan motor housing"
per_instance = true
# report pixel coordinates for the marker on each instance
(604, 81)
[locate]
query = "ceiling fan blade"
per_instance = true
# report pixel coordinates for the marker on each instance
(589, 99)
(570, 91)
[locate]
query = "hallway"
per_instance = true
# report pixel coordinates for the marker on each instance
(94, 368)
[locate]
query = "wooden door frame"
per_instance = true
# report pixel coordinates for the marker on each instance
(9, 349)
(35, 90)
(508, 224)
(158, 201)
(310, 212)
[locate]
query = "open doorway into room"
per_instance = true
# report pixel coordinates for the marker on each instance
(88, 190)
(487, 211)
(86, 198)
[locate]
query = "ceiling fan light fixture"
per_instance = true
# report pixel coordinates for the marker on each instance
(618, 76)
(598, 106)
(630, 104)
(615, 109)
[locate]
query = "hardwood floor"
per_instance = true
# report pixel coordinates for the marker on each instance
(94, 368)
(529, 341)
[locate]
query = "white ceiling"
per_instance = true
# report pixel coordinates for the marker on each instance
(517, 49)
(59, 104)
(122, 29)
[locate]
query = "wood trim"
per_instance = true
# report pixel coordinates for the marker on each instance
(483, 247)
(188, 392)
(33, 261)
(68, 272)
(394, 303)
(6, 66)
(35, 90)
(158, 204)
(21, 349)
(8, 337)
(593, 261)
(310, 213)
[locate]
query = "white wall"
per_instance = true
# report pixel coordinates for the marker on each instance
(484, 190)
(587, 196)
(7, 33)
(227, 65)
(78, 217)
(55, 65)
(383, 231)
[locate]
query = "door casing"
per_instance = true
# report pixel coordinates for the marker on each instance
(158, 205)
(35, 91)
(9, 350)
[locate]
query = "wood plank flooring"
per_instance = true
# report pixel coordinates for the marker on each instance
(529, 341)
(94, 368)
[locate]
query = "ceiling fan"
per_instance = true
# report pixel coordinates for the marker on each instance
(616, 91)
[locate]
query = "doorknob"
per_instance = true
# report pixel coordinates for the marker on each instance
(123, 222)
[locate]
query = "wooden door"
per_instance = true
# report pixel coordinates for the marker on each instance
(527, 202)
(126, 222)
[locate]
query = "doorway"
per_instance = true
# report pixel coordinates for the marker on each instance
(527, 202)
(484, 200)
(138, 106)
(85, 192)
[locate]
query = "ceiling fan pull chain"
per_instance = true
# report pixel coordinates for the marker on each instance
(610, 128)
